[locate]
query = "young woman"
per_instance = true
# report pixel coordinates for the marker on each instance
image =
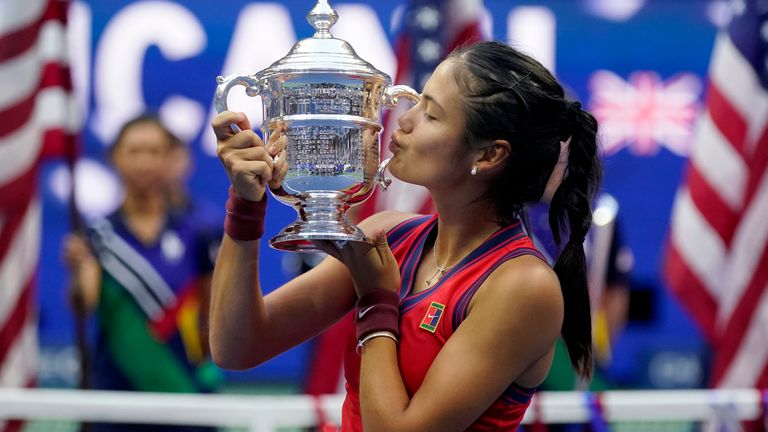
(456, 314)
(145, 272)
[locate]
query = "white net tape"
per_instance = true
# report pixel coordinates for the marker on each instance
(626, 410)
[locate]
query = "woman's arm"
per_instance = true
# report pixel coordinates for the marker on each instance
(512, 324)
(247, 328)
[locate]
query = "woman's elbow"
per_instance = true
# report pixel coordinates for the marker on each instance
(231, 355)
(234, 360)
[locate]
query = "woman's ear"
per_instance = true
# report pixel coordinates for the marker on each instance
(494, 156)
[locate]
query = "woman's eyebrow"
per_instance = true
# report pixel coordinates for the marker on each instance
(433, 101)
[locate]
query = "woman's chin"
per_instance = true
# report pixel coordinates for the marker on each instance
(395, 170)
(405, 173)
(405, 178)
(144, 188)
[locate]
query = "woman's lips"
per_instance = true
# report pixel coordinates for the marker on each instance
(393, 144)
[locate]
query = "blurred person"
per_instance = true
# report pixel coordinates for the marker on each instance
(202, 214)
(456, 322)
(144, 272)
(611, 260)
(179, 169)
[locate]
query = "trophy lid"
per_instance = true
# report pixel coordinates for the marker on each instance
(322, 52)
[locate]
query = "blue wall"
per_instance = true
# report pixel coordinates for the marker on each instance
(671, 38)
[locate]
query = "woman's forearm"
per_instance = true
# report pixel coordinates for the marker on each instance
(383, 397)
(237, 314)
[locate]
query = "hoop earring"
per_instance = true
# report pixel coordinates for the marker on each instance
(474, 170)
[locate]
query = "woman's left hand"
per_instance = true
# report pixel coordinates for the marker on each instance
(371, 265)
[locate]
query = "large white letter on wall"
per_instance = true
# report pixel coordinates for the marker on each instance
(120, 57)
(263, 34)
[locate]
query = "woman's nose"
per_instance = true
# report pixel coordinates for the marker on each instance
(405, 121)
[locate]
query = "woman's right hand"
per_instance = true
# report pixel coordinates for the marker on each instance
(249, 164)
(76, 252)
(86, 273)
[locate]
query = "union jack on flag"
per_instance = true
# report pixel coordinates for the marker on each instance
(645, 113)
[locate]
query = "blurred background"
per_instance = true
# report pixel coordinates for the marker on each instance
(641, 66)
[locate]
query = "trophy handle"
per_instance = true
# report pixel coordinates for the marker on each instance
(392, 95)
(252, 88)
(380, 178)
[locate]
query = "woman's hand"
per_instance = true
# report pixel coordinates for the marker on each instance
(76, 252)
(371, 265)
(277, 142)
(250, 165)
(86, 273)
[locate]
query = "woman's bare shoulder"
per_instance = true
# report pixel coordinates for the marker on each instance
(532, 286)
(385, 220)
(528, 276)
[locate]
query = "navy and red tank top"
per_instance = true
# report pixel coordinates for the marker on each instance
(428, 318)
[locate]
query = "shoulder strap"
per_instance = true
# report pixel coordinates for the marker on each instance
(129, 268)
(401, 230)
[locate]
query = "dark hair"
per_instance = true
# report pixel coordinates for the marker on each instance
(510, 96)
(145, 118)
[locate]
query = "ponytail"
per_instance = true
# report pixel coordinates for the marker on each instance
(571, 212)
(509, 95)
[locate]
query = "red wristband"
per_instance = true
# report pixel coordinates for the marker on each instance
(378, 311)
(245, 219)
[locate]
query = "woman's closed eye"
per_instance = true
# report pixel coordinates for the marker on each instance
(429, 117)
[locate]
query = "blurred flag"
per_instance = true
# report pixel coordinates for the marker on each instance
(645, 113)
(35, 96)
(718, 254)
(430, 29)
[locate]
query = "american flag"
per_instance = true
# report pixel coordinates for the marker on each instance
(430, 29)
(644, 112)
(718, 254)
(35, 123)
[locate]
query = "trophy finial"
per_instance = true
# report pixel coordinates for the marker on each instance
(322, 17)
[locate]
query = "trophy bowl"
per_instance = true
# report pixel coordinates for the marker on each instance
(329, 102)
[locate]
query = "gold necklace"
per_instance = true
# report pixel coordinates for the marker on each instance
(440, 270)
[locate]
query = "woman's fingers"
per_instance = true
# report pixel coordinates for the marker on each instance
(244, 139)
(253, 154)
(246, 161)
(279, 170)
(246, 172)
(348, 252)
(222, 124)
(382, 247)
(76, 250)
(371, 264)
(329, 247)
(278, 141)
(250, 164)
(241, 161)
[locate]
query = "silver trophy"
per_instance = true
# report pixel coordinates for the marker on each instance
(329, 100)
